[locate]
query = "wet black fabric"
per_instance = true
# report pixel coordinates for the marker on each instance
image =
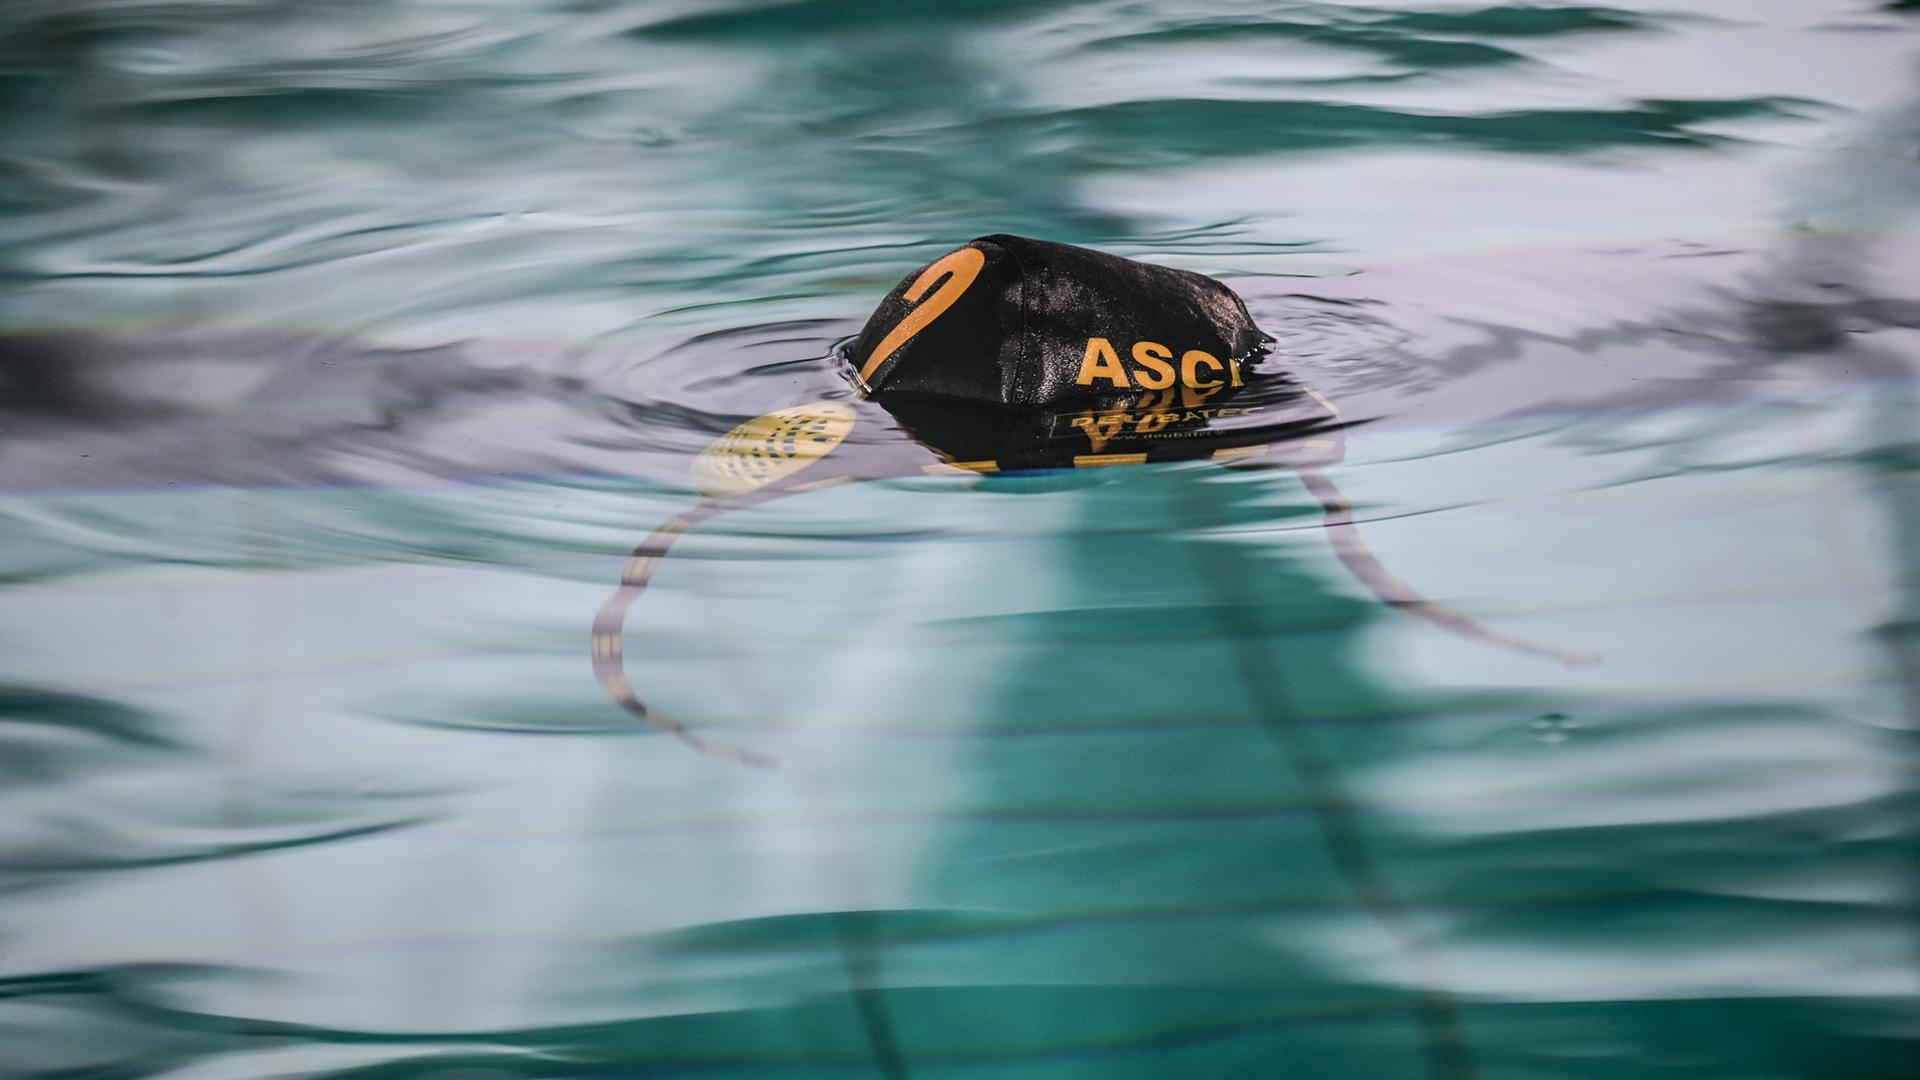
(1018, 333)
(996, 378)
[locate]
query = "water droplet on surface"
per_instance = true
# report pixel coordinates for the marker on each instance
(1554, 728)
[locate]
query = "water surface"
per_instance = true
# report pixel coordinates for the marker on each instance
(350, 350)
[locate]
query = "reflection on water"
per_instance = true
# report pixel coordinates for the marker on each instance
(350, 353)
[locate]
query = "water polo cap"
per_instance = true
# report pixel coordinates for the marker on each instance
(1010, 321)
(1010, 353)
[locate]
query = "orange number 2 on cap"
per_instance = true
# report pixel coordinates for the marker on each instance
(959, 268)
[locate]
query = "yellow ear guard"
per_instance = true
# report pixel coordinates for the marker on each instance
(770, 448)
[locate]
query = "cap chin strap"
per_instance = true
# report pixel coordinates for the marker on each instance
(753, 456)
(608, 639)
(769, 449)
(1367, 569)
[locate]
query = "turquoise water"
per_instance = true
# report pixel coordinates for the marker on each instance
(350, 349)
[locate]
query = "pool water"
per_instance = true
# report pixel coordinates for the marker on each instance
(350, 350)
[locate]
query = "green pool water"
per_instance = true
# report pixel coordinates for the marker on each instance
(349, 350)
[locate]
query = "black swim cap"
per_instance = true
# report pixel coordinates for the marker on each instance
(1010, 321)
(1010, 354)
